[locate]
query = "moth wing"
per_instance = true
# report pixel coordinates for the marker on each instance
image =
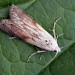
(35, 34)
(18, 14)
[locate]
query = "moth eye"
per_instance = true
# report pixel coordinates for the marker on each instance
(55, 51)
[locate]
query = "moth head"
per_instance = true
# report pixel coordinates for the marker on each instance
(54, 46)
(57, 49)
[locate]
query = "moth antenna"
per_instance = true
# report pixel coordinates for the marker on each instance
(52, 59)
(34, 54)
(55, 56)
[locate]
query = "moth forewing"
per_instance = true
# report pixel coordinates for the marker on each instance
(22, 17)
(35, 34)
(22, 26)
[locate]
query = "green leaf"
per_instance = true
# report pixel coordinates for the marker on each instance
(14, 53)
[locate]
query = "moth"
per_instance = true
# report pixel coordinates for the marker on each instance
(22, 26)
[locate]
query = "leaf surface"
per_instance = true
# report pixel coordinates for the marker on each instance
(14, 53)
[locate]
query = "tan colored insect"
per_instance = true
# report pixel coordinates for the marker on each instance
(22, 26)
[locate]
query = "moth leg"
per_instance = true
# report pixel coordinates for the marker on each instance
(54, 27)
(34, 54)
(60, 35)
(40, 56)
(41, 53)
(61, 47)
(12, 38)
